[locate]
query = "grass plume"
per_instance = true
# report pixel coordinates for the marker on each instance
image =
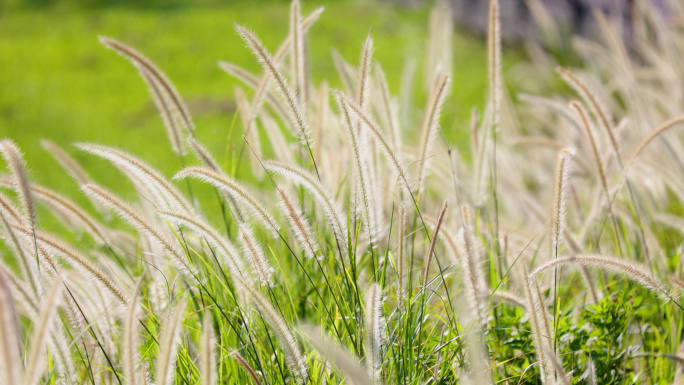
(169, 340)
(375, 332)
(231, 186)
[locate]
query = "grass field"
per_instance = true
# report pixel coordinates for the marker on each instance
(61, 84)
(358, 248)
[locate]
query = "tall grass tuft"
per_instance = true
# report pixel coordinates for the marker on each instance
(219, 286)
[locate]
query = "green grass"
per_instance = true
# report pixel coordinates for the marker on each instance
(59, 83)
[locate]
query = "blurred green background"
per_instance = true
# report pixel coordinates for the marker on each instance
(58, 82)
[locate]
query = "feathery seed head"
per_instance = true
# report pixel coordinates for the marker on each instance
(632, 270)
(430, 125)
(229, 185)
(401, 250)
(580, 111)
(171, 106)
(144, 226)
(364, 73)
(293, 354)
(361, 170)
(295, 110)
(375, 331)
(341, 358)
(207, 360)
(433, 242)
(168, 344)
(165, 193)
(261, 268)
(299, 224)
(309, 182)
(10, 344)
(15, 162)
(561, 180)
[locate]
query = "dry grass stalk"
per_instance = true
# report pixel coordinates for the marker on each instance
(70, 211)
(168, 344)
(98, 276)
(8, 216)
(72, 168)
(246, 366)
(509, 297)
(296, 112)
(8, 209)
(10, 344)
(252, 135)
(321, 121)
(678, 283)
(156, 235)
(173, 131)
(632, 270)
(588, 131)
(229, 255)
(592, 372)
(370, 127)
(430, 126)
(562, 377)
(36, 362)
(363, 100)
(446, 235)
(375, 332)
(543, 314)
(260, 95)
(298, 53)
(545, 21)
(131, 341)
(165, 193)
(651, 136)
(364, 77)
(597, 108)
(320, 193)
(69, 164)
(473, 279)
(22, 186)
(208, 352)
(433, 242)
(293, 354)
(167, 98)
(534, 308)
(494, 72)
(278, 55)
(401, 257)
(346, 72)
(341, 359)
(209, 162)
(261, 85)
(282, 148)
(361, 169)
(252, 248)
(389, 110)
(299, 224)
(228, 184)
(439, 44)
(491, 121)
(560, 185)
(21, 292)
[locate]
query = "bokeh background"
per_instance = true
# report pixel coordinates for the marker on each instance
(58, 82)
